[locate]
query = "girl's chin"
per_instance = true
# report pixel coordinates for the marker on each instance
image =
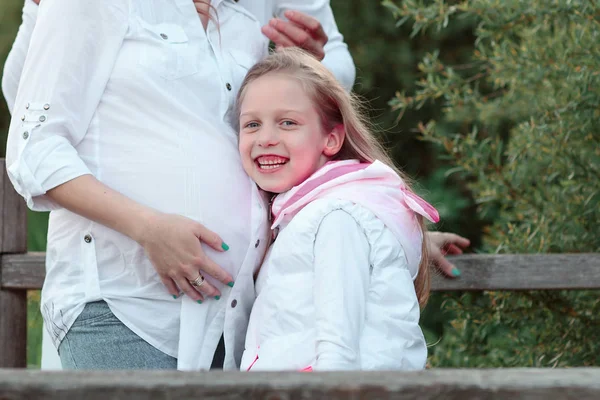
(273, 187)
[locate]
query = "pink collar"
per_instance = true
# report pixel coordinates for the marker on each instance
(337, 173)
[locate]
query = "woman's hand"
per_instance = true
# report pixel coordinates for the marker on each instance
(301, 31)
(442, 243)
(172, 243)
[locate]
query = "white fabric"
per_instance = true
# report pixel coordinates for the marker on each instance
(136, 93)
(16, 57)
(375, 186)
(335, 292)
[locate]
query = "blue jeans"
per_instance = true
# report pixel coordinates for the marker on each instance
(98, 340)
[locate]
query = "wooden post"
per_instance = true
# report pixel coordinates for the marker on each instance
(13, 303)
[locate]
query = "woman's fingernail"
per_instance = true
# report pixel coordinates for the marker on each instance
(199, 302)
(230, 284)
(456, 272)
(174, 296)
(224, 246)
(217, 297)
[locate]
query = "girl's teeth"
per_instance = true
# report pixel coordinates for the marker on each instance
(270, 166)
(271, 162)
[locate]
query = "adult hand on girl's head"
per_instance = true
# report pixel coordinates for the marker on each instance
(301, 31)
(172, 243)
(442, 243)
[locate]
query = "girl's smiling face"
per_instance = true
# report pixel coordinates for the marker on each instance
(282, 141)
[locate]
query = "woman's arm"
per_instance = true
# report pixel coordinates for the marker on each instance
(70, 59)
(172, 242)
(340, 292)
(16, 57)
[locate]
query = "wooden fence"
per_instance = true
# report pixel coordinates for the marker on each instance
(21, 271)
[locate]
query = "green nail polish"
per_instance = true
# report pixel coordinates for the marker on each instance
(199, 302)
(456, 272)
(217, 297)
(224, 246)
(174, 296)
(230, 284)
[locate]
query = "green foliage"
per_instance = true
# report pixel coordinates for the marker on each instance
(526, 112)
(387, 60)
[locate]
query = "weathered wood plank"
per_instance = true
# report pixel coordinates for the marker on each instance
(523, 272)
(501, 384)
(13, 216)
(13, 329)
(23, 271)
(13, 303)
(479, 272)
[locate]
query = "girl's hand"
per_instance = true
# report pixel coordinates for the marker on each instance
(301, 30)
(442, 243)
(172, 243)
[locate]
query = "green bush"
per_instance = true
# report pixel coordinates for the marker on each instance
(387, 60)
(526, 114)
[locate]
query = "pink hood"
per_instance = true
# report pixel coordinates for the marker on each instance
(374, 186)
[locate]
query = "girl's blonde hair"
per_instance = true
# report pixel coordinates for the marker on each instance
(200, 10)
(335, 107)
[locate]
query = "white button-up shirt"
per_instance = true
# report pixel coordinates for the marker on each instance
(136, 93)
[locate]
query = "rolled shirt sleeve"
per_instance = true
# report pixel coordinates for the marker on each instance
(69, 60)
(337, 57)
(16, 56)
(340, 292)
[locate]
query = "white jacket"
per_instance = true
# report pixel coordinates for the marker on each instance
(336, 289)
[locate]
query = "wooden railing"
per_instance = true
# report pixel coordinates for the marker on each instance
(21, 271)
(458, 384)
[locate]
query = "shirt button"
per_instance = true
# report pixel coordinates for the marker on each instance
(228, 86)
(257, 243)
(23, 118)
(233, 303)
(27, 106)
(87, 238)
(164, 36)
(42, 118)
(25, 135)
(46, 107)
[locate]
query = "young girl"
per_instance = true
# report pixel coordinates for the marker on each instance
(341, 285)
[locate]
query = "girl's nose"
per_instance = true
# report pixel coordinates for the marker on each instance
(267, 137)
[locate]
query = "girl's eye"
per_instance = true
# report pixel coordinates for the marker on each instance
(251, 125)
(288, 123)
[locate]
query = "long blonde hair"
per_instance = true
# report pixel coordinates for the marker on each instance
(207, 13)
(336, 107)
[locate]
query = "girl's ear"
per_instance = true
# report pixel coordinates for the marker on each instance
(335, 140)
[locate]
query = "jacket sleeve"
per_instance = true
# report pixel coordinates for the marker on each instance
(341, 285)
(70, 57)
(337, 57)
(16, 56)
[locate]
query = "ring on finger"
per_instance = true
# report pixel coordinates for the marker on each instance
(199, 281)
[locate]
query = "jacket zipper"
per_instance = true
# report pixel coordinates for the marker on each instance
(271, 207)
(253, 362)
